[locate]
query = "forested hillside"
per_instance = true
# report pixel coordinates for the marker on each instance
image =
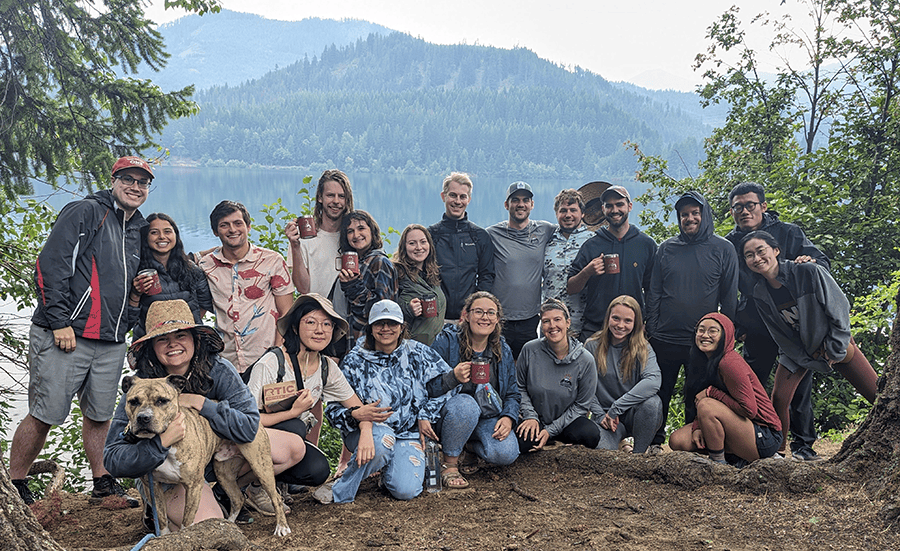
(397, 103)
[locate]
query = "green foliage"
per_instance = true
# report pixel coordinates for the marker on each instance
(270, 234)
(67, 450)
(69, 107)
(330, 443)
(838, 182)
(308, 194)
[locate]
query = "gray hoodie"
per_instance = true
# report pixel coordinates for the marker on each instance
(554, 391)
(692, 276)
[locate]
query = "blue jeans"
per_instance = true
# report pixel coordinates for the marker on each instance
(461, 422)
(400, 460)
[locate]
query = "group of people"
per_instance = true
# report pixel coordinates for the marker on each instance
(492, 342)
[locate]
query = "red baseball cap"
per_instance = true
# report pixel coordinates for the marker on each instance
(132, 162)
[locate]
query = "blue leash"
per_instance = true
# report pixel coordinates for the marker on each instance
(148, 537)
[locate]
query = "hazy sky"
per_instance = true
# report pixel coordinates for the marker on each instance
(649, 42)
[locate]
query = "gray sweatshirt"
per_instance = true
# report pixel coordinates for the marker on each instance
(616, 396)
(554, 391)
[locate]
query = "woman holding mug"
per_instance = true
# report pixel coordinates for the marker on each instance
(465, 423)
(375, 279)
(179, 278)
(420, 295)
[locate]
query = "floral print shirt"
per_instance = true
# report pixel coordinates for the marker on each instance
(558, 256)
(244, 298)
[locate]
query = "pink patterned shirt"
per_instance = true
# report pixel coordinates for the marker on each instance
(244, 298)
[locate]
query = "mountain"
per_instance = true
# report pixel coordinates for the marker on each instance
(231, 47)
(398, 103)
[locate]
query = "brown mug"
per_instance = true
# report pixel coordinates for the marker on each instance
(481, 371)
(611, 263)
(347, 261)
(429, 307)
(156, 288)
(307, 227)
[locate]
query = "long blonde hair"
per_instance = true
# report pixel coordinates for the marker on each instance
(494, 343)
(635, 351)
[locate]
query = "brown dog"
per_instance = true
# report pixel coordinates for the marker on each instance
(151, 404)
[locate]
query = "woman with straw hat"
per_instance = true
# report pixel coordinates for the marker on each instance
(176, 345)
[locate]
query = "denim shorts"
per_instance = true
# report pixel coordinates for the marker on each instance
(768, 440)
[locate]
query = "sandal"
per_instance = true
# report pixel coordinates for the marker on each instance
(468, 463)
(450, 478)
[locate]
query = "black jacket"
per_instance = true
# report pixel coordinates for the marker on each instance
(84, 272)
(465, 254)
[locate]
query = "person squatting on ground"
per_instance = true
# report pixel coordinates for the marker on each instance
(558, 379)
(734, 414)
(471, 423)
(388, 369)
(310, 329)
(809, 318)
(626, 403)
(175, 345)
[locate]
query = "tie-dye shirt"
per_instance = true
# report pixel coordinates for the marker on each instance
(244, 297)
(397, 379)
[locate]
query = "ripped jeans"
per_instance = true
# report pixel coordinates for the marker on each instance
(400, 460)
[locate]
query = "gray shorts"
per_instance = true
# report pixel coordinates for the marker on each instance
(92, 372)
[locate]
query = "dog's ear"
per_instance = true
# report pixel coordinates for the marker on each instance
(127, 383)
(178, 381)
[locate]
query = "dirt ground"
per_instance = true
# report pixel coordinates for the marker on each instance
(553, 499)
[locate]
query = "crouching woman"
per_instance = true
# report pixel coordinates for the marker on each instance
(734, 414)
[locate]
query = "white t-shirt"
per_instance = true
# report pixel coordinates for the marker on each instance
(318, 255)
(265, 372)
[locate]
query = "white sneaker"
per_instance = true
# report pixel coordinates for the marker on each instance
(259, 500)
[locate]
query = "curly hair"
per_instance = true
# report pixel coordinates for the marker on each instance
(635, 351)
(406, 267)
(206, 347)
(495, 344)
(367, 219)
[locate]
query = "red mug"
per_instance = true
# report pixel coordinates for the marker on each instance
(347, 261)
(611, 263)
(307, 227)
(429, 307)
(156, 288)
(481, 371)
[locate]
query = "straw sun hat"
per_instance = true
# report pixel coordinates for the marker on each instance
(169, 316)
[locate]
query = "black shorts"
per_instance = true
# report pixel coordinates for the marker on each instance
(768, 440)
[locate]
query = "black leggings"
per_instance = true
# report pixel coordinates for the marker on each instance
(581, 431)
(313, 469)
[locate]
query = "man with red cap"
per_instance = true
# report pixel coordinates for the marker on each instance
(86, 305)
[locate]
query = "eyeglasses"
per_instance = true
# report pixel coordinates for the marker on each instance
(312, 325)
(712, 331)
(129, 181)
(749, 206)
(479, 313)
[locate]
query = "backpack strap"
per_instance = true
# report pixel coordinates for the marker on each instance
(298, 375)
(245, 376)
(323, 364)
